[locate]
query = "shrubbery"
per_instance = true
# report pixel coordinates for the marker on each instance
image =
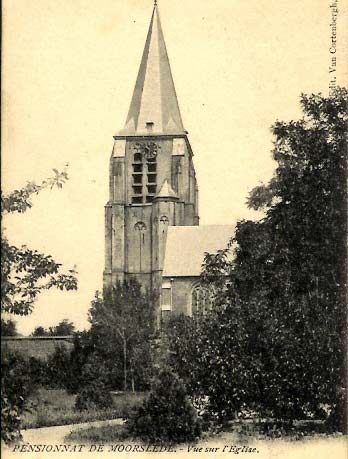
(93, 396)
(58, 368)
(167, 415)
(16, 385)
(94, 391)
(275, 340)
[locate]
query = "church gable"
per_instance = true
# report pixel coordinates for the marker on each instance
(181, 291)
(191, 242)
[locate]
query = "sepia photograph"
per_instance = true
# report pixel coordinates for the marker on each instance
(174, 229)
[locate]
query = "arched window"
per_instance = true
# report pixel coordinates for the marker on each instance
(163, 224)
(195, 301)
(140, 228)
(164, 220)
(201, 300)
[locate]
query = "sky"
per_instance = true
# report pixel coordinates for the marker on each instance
(69, 69)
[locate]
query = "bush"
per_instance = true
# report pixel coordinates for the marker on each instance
(94, 390)
(93, 395)
(16, 385)
(58, 369)
(78, 358)
(38, 372)
(167, 415)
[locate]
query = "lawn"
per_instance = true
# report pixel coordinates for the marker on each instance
(242, 432)
(98, 435)
(55, 407)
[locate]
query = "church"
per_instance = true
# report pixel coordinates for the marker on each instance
(152, 230)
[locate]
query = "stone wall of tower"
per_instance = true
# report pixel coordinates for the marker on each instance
(165, 212)
(115, 219)
(135, 234)
(184, 180)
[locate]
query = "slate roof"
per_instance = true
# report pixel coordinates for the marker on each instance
(186, 245)
(154, 98)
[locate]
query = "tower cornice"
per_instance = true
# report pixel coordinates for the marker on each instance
(155, 137)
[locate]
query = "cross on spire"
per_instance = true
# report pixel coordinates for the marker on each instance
(155, 3)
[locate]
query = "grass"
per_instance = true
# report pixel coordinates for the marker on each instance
(240, 432)
(98, 435)
(55, 407)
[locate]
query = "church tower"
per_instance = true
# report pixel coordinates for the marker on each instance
(152, 180)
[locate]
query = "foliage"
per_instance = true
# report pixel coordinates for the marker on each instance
(99, 435)
(25, 272)
(64, 328)
(38, 372)
(58, 371)
(93, 395)
(180, 350)
(82, 348)
(211, 356)
(39, 331)
(8, 327)
(16, 385)
(122, 324)
(55, 407)
(274, 342)
(21, 200)
(94, 388)
(167, 415)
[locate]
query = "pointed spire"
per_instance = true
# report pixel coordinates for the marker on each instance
(154, 108)
(166, 191)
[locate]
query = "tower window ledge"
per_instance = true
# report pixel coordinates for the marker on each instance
(140, 204)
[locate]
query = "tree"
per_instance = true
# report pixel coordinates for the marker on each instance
(275, 341)
(294, 260)
(64, 328)
(16, 385)
(181, 350)
(167, 415)
(94, 393)
(84, 344)
(25, 272)
(124, 320)
(58, 371)
(8, 327)
(40, 331)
